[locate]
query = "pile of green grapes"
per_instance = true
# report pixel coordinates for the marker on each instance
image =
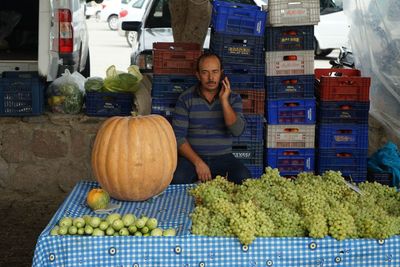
(310, 205)
(113, 225)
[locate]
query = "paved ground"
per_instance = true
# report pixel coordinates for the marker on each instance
(22, 219)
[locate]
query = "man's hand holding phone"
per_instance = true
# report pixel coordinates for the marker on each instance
(225, 89)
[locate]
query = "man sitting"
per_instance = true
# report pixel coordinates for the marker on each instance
(206, 117)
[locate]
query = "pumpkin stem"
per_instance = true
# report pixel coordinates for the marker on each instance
(134, 113)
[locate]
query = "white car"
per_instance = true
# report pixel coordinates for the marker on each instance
(333, 29)
(133, 11)
(92, 9)
(110, 11)
(48, 37)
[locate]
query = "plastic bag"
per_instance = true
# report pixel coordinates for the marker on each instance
(94, 84)
(8, 20)
(65, 94)
(386, 159)
(375, 42)
(122, 82)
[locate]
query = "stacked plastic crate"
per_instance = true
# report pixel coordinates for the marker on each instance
(290, 101)
(21, 94)
(342, 114)
(174, 68)
(237, 37)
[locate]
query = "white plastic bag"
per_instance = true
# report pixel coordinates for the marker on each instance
(65, 94)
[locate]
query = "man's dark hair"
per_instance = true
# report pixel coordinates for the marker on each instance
(207, 55)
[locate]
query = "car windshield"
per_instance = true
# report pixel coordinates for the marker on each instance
(137, 3)
(330, 6)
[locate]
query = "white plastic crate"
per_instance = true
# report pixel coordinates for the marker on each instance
(292, 12)
(283, 63)
(290, 136)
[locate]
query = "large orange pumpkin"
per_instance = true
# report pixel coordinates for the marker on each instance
(134, 158)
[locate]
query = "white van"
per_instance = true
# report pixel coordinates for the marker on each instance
(333, 29)
(45, 36)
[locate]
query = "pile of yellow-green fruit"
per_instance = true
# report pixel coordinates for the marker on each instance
(114, 224)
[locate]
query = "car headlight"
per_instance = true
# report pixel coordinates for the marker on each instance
(145, 62)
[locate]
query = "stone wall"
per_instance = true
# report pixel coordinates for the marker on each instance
(49, 154)
(46, 154)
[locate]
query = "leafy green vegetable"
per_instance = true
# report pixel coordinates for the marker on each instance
(73, 104)
(122, 82)
(94, 84)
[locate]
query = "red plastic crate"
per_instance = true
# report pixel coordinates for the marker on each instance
(342, 85)
(253, 101)
(175, 58)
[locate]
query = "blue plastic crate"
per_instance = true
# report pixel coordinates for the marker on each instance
(238, 49)
(254, 131)
(104, 104)
(237, 18)
(352, 163)
(289, 38)
(249, 153)
(291, 111)
(345, 135)
(290, 161)
(295, 86)
(171, 86)
(245, 77)
(164, 107)
(255, 170)
(21, 94)
(342, 112)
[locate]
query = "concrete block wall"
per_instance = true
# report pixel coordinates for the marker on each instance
(46, 154)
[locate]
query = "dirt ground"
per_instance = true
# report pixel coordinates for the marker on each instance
(22, 219)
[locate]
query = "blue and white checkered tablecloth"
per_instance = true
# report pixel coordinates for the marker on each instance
(172, 209)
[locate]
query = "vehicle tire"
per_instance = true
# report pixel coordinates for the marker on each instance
(113, 22)
(86, 71)
(321, 52)
(131, 38)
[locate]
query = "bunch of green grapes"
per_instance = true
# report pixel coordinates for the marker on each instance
(288, 223)
(340, 222)
(243, 223)
(206, 193)
(310, 205)
(317, 225)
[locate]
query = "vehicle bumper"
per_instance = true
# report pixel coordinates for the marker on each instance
(68, 61)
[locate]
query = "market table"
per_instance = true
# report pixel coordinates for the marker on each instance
(172, 209)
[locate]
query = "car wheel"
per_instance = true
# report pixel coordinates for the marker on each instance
(131, 38)
(321, 52)
(113, 22)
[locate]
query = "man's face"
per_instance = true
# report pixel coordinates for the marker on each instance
(209, 73)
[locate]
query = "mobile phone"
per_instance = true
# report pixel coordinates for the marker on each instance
(221, 79)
